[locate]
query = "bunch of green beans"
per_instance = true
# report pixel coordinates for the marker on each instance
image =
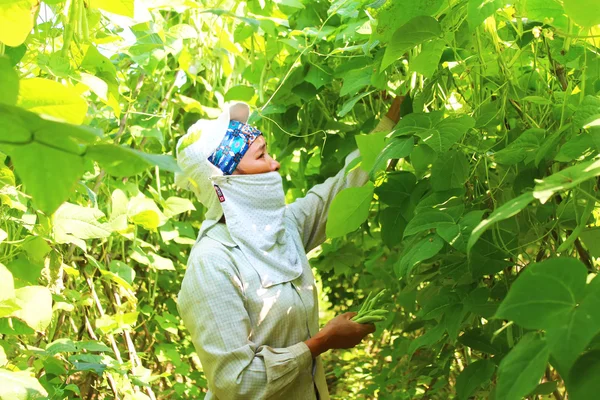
(368, 312)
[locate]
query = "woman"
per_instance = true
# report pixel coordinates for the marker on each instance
(248, 297)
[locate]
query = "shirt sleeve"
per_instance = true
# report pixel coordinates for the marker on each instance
(310, 212)
(211, 305)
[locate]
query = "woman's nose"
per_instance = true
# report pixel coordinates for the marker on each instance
(274, 165)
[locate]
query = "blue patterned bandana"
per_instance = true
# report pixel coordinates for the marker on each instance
(237, 141)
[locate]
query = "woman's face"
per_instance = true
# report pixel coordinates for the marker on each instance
(256, 160)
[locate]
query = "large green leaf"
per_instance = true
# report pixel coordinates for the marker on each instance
(420, 251)
(566, 179)
(507, 210)
(544, 293)
(36, 306)
(414, 32)
(526, 145)
(479, 10)
(546, 10)
(428, 220)
(520, 371)
(426, 63)
(123, 161)
(9, 81)
(20, 385)
(392, 225)
(473, 377)
(398, 186)
(582, 381)
(395, 148)
(16, 20)
(349, 210)
(446, 133)
(370, 146)
(240, 92)
(568, 338)
(449, 171)
(49, 174)
(74, 224)
(396, 13)
(47, 97)
(584, 12)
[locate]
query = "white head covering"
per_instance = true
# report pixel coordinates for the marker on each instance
(254, 205)
(193, 150)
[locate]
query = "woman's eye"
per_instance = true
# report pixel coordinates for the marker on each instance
(262, 155)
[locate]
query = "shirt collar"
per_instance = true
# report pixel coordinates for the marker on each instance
(220, 233)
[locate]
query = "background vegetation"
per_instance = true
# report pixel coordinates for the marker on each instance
(480, 219)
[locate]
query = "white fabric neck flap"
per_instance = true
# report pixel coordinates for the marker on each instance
(254, 208)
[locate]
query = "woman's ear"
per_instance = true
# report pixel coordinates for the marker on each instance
(239, 112)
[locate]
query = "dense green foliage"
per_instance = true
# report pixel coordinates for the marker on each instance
(479, 219)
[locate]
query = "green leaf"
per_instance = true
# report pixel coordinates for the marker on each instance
(36, 306)
(144, 211)
(396, 148)
(398, 186)
(124, 161)
(409, 35)
(177, 205)
(9, 82)
(319, 75)
(507, 210)
(430, 337)
(546, 10)
(479, 10)
(20, 385)
(426, 63)
(349, 104)
(544, 292)
(449, 171)
(36, 248)
(423, 250)
(120, 7)
(576, 147)
(569, 337)
(477, 340)
(428, 220)
(122, 270)
(349, 210)
(588, 110)
(566, 179)
(584, 12)
(51, 185)
(473, 377)
(520, 371)
(240, 92)
(396, 13)
(545, 388)
(16, 20)
(582, 382)
(47, 97)
(74, 224)
(526, 145)
(591, 240)
(370, 146)
(446, 133)
(392, 226)
(355, 80)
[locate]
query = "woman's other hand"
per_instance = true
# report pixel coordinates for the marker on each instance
(339, 333)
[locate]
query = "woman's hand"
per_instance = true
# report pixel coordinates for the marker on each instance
(339, 333)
